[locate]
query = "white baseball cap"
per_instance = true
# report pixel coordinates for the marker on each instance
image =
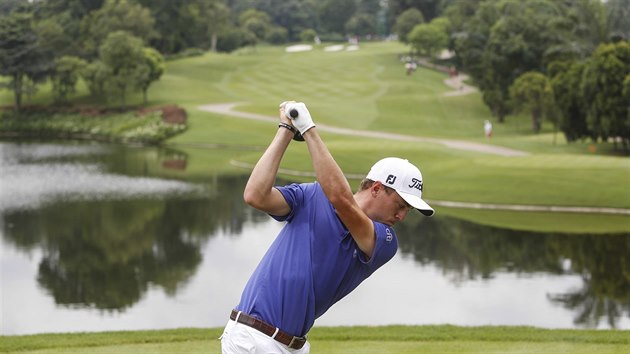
(404, 178)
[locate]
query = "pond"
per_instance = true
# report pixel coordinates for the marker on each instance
(103, 237)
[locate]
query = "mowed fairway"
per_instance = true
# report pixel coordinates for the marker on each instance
(367, 89)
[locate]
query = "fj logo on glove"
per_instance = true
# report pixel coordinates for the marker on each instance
(390, 179)
(416, 183)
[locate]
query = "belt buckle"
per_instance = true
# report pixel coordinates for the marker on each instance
(297, 341)
(292, 342)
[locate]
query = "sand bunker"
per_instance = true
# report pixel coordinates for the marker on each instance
(334, 48)
(299, 48)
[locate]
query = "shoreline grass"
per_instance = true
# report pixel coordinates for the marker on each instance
(359, 339)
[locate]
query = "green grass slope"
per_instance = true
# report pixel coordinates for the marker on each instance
(368, 89)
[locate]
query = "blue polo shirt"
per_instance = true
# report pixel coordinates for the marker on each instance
(313, 263)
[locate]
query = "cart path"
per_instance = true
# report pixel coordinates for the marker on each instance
(228, 109)
(457, 83)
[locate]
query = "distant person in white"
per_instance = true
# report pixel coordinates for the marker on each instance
(487, 129)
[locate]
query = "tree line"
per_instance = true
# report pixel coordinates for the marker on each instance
(566, 61)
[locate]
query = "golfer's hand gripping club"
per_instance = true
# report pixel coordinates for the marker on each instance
(299, 114)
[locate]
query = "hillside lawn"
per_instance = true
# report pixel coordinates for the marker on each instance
(333, 340)
(368, 89)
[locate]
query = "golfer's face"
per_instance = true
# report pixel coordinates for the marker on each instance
(395, 208)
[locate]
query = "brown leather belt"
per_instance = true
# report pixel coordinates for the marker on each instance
(273, 332)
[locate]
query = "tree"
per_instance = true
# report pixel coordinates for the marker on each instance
(53, 39)
(124, 57)
(216, 17)
(334, 14)
(532, 92)
(471, 35)
(507, 39)
(430, 9)
(626, 97)
(602, 86)
(66, 76)
(428, 39)
(278, 35)
(66, 14)
(405, 23)
(294, 15)
(618, 15)
(116, 15)
(369, 6)
(585, 22)
(154, 68)
(460, 12)
(7, 6)
(362, 24)
(308, 35)
(565, 82)
(95, 75)
(255, 21)
(22, 58)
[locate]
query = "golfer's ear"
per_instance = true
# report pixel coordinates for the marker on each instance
(376, 187)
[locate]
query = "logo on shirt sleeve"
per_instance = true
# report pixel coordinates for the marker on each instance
(389, 236)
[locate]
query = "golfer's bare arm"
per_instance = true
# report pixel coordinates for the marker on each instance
(259, 191)
(339, 193)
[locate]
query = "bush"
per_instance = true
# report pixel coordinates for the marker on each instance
(186, 53)
(230, 40)
(308, 35)
(127, 127)
(277, 35)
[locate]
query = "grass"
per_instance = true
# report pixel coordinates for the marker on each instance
(368, 89)
(330, 340)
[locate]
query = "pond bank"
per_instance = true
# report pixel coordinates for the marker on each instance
(399, 339)
(148, 126)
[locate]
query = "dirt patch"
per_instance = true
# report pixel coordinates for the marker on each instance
(172, 114)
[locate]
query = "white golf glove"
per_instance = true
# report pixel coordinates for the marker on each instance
(299, 114)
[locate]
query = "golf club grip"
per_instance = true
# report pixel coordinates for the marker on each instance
(293, 113)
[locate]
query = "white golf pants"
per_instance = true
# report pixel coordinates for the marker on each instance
(238, 338)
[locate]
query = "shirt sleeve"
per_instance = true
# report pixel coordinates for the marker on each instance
(385, 247)
(294, 195)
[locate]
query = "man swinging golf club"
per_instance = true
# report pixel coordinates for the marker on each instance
(332, 241)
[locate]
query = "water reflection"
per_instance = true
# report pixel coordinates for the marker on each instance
(102, 250)
(106, 254)
(468, 251)
(35, 175)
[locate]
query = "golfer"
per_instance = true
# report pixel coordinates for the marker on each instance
(332, 240)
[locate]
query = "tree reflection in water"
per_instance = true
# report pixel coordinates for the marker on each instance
(467, 251)
(106, 254)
